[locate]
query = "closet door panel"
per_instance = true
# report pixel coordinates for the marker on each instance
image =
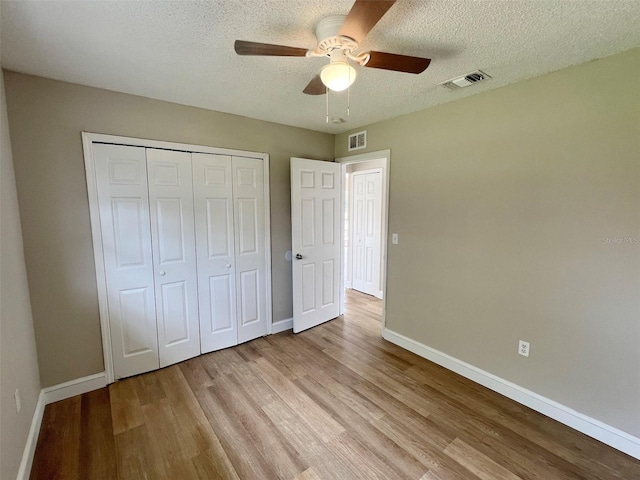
(174, 255)
(215, 246)
(121, 179)
(248, 198)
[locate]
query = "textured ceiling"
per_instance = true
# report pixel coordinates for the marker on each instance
(182, 51)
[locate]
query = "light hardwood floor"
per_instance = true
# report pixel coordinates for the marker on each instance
(335, 402)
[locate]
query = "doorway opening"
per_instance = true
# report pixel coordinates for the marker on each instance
(365, 186)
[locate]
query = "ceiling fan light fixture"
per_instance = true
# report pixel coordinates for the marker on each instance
(338, 76)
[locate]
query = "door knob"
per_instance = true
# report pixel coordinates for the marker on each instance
(228, 265)
(298, 256)
(162, 273)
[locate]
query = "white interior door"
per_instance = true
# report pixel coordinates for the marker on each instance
(251, 259)
(315, 239)
(121, 180)
(213, 202)
(358, 216)
(367, 236)
(174, 254)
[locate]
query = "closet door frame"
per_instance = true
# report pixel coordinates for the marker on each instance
(88, 139)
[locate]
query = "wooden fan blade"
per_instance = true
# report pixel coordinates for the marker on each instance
(363, 16)
(243, 47)
(315, 87)
(397, 63)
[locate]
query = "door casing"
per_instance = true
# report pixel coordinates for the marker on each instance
(365, 157)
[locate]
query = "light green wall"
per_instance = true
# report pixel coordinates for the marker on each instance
(509, 205)
(46, 119)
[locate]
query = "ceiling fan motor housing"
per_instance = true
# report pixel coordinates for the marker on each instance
(331, 44)
(328, 28)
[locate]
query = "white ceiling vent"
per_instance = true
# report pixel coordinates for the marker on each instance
(466, 80)
(358, 140)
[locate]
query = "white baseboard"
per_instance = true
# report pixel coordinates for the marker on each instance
(589, 426)
(32, 440)
(74, 387)
(282, 325)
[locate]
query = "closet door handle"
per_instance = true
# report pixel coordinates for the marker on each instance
(228, 265)
(162, 273)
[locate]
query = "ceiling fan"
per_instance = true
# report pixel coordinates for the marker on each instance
(339, 38)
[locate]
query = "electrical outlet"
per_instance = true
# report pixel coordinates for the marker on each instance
(18, 403)
(394, 238)
(523, 348)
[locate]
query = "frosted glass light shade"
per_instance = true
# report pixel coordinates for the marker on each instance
(338, 76)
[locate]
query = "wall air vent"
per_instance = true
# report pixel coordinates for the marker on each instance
(466, 80)
(358, 140)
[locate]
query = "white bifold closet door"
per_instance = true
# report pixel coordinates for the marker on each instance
(174, 254)
(184, 250)
(230, 224)
(123, 196)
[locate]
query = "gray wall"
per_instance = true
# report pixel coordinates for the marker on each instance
(46, 119)
(518, 212)
(18, 359)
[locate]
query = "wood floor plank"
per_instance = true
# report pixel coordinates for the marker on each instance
(207, 467)
(193, 421)
(254, 386)
(568, 444)
(236, 442)
(445, 410)
(386, 456)
(133, 460)
(57, 452)
(308, 474)
(363, 463)
(430, 455)
(148, 388)
(222, 362)
(348, 396)
(430, 476)
(248, 351)
(97, 454)
(362, 343)
(173, 443)
(380, 379)
(267, 439)
(307, 443)
(334, 402)
(476, 462)
(195, 374)
(317, 419)
(510, 448)
(125, 406)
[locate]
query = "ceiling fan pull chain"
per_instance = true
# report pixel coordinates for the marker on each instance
(349, 96)
(327, 117)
